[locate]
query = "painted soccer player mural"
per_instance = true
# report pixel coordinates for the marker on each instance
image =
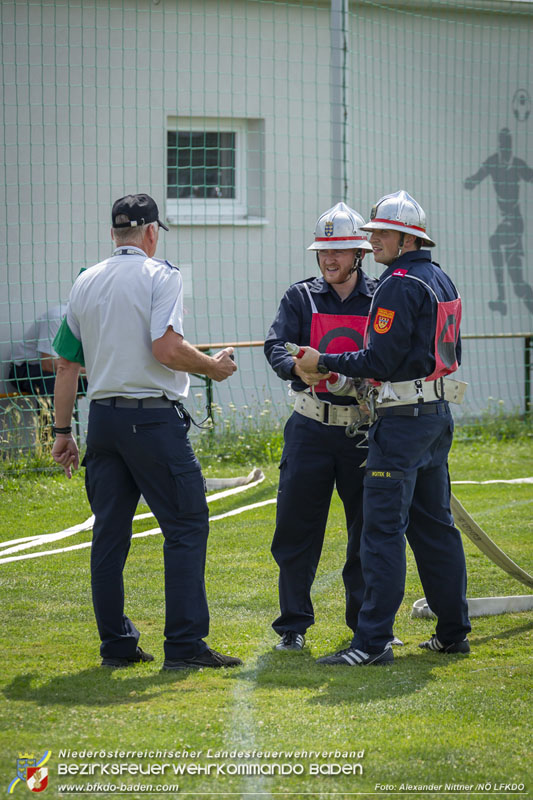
(506, 245)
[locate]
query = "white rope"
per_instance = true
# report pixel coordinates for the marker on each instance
(476, 606)
(47, 538)
(240, 484)
(141, 535)
(255, 475)
(212, 497)
(483, 483)
(24, 539)
(469, 527)
(244, 508)
(481, 606)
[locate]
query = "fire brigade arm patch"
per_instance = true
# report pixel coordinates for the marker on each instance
(383, 320)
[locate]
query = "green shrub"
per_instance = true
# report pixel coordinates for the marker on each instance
(247, 435)
(26, 434)
(495, 423)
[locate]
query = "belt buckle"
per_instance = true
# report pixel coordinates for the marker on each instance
(327, 411)
(333, 415)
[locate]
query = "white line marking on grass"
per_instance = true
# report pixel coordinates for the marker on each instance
(243, 725)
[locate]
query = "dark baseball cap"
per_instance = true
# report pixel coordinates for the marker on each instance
(140, 209)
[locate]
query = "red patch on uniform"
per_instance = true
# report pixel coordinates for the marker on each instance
(400, 273)
(383, 320)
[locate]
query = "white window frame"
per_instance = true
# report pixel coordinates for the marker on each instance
(212, 209)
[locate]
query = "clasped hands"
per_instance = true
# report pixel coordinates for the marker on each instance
(305, 367)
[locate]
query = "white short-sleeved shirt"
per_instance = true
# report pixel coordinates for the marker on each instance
(117, 309)
(39, 336)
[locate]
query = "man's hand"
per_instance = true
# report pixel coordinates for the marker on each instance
(65, 453)
(311, 379)
(222, 365)
(175, 352)
(305, 367)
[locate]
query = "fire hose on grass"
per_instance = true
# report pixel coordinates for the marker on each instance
(365, 393)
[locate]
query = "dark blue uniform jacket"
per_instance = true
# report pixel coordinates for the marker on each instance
(293, 323)
(406, 350)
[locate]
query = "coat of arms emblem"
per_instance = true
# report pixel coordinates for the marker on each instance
(32, 771)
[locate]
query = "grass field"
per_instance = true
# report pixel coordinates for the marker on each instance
(427, 721)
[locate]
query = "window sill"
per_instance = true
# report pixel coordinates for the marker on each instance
(219, 219)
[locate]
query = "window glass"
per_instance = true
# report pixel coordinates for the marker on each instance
(201, 164)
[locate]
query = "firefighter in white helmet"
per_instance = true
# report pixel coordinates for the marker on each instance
(329, 313)
(412, 343)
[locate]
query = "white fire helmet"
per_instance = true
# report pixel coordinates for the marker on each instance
(399, 212)
(339, 228)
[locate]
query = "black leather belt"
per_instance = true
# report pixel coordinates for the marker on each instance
(413, 411)
(134, 402)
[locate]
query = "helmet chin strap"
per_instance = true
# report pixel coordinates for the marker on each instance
(357, 263)
(400, 244)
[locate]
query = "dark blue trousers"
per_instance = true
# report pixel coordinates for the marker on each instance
(30, 377)
(407, 493)
(315, 459)
(134, 451)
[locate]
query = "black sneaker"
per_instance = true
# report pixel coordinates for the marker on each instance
(439, 647)
(119, 662)
(291, 641)
(350, 657)
(209, 658)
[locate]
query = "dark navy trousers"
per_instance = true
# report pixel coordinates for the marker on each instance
(134, 451)
(407, 494)
(315, 459)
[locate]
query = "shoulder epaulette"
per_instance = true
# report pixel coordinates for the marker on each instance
(165, 262)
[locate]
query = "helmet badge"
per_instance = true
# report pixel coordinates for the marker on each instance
(328, 228)
(373, 212)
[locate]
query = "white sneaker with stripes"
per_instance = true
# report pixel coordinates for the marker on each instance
(351, 657)
(439, 647)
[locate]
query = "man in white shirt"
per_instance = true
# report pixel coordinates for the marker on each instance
(125, 323)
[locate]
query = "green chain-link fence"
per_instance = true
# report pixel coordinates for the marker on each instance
(246, 119)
